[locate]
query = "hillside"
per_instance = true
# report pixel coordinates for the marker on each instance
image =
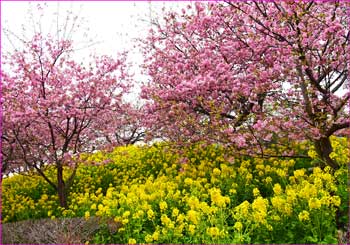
(203, 195)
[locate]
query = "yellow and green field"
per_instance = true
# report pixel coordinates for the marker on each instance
(151, 194)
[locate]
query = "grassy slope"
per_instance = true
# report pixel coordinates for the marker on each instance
(78, 230)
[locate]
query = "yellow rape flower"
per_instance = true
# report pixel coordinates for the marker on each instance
(93, 206)
(138, 214)
(99, 190)
(318, 183)
(238, 226)
(325, 200)
(333, 155)
(126, 214)
(291, 195)
(213, 231)
(205, 208)
(44, 197)
(259, 206)
(192, 229)
(312, 154)
(268, 180)
(193, 202)
(242, 210)
(276, 218)
(150, 214)
(292, 179)
(249, 177)
(314, 203)
(217, 198)
(278, 203)
(165, 220)
(87, 215)
(277, 189)
(213, 210)
(299, 173)
(188, 181)
(148, 238)
(117, 219)
(100, 207)
(317, 171)
(288, 209)
(175, 212)
(256, 192)
(308, 191)
(304, 215)
(327, 177)
(193, 216)
(109, 193)
(180, 218)
(163, 206)
(131, 241)
(335, 200)
(281, 172)
(155, 236)
(216, 172)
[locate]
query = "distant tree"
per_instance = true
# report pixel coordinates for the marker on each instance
(128, 128)
(243, 73)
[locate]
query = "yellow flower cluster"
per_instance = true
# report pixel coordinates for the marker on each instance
(157, 198)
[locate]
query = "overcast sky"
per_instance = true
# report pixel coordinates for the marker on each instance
(111, 25)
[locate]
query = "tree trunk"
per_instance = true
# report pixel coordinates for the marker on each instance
(324, 149)
(61, 188)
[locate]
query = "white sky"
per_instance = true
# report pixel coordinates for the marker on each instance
(113, 25)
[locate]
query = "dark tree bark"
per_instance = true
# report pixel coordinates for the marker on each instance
(324, 149)
(61, 187)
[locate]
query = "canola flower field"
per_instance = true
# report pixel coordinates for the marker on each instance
(151, 194)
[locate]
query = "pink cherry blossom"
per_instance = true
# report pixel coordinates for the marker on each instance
(54, 108)
(262, 69)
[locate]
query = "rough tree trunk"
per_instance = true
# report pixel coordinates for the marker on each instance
(324, 149)
(61, 187)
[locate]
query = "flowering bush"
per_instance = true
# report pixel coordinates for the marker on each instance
(201, 195)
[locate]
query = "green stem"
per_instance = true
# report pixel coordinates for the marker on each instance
(320, 226)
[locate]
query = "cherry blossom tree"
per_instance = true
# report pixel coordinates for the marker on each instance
(53, 106)
(128, 127)
(247, 73)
